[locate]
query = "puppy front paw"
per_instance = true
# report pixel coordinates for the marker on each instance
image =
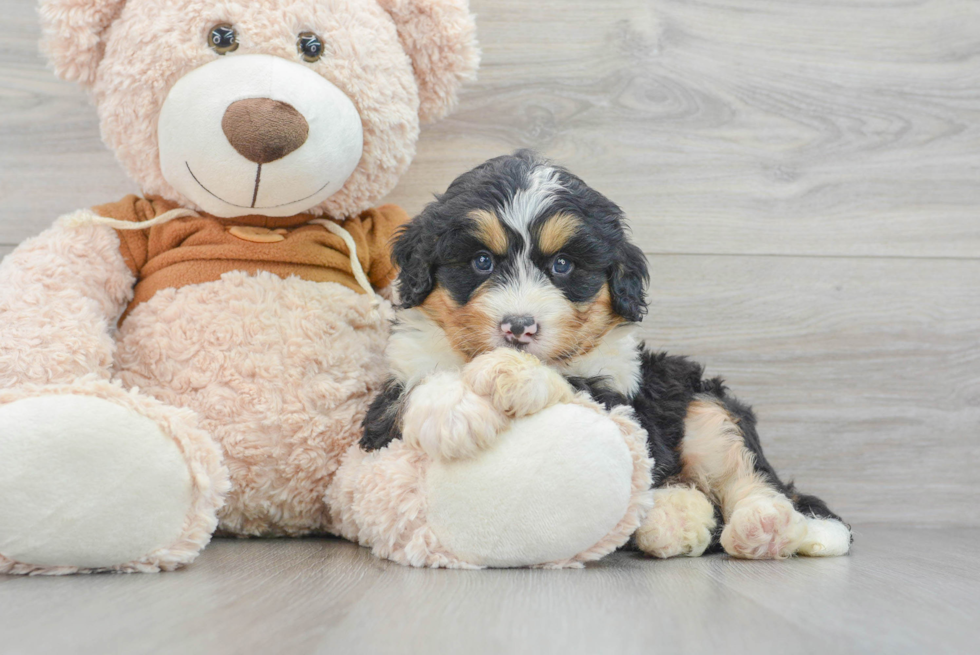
(680, 523)
(517, 383)
(449, 421)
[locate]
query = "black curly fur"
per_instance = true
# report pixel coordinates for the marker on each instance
(669, 384)
(382, 422)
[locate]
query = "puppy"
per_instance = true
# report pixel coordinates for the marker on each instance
(519, 287)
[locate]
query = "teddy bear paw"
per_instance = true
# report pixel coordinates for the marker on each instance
(554, 488)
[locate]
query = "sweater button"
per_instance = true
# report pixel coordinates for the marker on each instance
(256, 234)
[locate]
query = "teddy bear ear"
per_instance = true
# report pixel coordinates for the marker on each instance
(73, 35)
(440, 38)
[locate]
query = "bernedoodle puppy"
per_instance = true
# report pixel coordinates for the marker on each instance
(520, 287)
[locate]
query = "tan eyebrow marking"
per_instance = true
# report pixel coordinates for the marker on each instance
(490, 230)
(556, 231)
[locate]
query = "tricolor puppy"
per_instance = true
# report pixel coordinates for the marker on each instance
(519, 287)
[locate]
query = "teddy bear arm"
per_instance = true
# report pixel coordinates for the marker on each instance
(60, 296)
(93, 476)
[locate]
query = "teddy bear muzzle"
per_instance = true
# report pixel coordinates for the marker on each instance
(257, 134)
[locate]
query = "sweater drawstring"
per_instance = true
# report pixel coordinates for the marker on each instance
(355, 263)
(81, 218)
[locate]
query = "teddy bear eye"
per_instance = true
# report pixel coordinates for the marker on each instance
(223, 39)
(310, 46)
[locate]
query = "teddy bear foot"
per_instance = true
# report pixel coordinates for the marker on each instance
(565, 486)
(556, 483)
(89, 483)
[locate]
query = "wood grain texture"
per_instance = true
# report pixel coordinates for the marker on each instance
(741, 126)
(864, 372)
(805, 175)
(901, 591)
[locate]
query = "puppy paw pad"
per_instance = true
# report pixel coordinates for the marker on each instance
(764, 528)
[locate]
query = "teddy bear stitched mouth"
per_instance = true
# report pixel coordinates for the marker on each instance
(255, 193)
(262, 130)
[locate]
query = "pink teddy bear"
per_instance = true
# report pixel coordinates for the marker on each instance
(201, 358)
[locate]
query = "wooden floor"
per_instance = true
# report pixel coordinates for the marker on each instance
(805, 178)
(901, 591)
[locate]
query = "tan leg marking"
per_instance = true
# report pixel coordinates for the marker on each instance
(760, 522)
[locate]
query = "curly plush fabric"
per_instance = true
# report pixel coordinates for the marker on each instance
(277, 372)
(281, 373)
(60, 294)
(378, 501)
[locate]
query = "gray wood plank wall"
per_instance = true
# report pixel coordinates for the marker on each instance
(804, 175)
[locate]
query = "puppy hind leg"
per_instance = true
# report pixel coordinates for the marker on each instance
(760, 521)
(827, 534)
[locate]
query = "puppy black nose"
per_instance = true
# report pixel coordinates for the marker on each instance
(519, 329)
(263, 130)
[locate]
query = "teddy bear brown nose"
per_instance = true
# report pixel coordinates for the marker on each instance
(263, 130)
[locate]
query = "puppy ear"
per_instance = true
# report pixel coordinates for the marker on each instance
(73, 35)
(440, 38)
(628, 281)
(412, 253)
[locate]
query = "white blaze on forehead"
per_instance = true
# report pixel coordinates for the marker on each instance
(530, 202)
(526, 289)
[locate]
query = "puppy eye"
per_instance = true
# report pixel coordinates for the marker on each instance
(223, 39)
(310, 46)
(562, 266)
(483, 263)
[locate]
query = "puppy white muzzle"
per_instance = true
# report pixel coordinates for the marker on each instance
(257, 134)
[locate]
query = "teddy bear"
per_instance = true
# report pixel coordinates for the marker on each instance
(199, 359)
